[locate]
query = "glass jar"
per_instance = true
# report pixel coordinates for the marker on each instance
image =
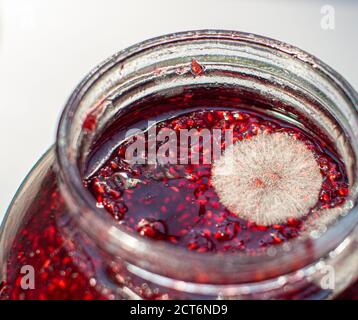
(56, 243)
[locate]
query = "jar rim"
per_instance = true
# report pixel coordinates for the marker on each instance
(220, 268)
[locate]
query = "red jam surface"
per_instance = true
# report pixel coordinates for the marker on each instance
(178, 206)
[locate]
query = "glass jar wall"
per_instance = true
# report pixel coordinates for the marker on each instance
(58, 243)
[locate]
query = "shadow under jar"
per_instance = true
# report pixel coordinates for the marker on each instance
(85, 225)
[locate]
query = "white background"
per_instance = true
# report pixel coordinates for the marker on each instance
(46, 47)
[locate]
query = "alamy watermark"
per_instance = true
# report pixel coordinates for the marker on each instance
(328, 17)
(184, 146)
(28, 279)
(328, 280)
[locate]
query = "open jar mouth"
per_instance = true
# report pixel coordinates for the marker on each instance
(300, 84)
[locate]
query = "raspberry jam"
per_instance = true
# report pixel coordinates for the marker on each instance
(178, 204)
(173, 203)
